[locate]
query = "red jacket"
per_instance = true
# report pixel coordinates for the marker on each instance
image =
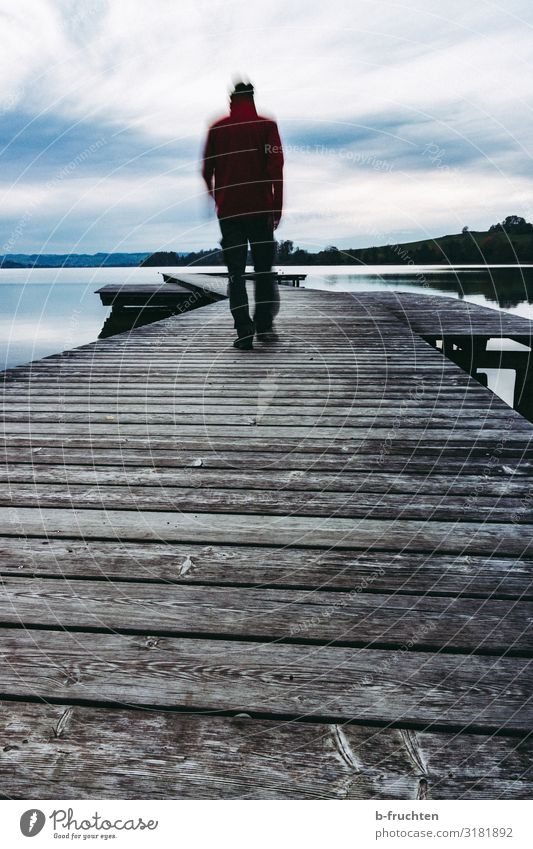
(243, 155)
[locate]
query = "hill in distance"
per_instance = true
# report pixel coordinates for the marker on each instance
(510, 242)
(98, 260)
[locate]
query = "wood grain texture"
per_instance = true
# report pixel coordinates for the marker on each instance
(507, 483)
(464, 537)
(336, 569)
(398, 462)
(440, 507)
(335, 529)
(432, 315)
(474, 692)
(365, 619)
(132, 754)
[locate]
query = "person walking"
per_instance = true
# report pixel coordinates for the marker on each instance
(243, 171)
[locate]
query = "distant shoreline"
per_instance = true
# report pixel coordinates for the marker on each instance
(508, 243)
(348, 268)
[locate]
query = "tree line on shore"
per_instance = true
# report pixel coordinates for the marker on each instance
(508, 242)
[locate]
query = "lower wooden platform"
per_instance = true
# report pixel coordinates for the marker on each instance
(301, 572)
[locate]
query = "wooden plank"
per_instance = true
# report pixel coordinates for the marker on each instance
(144, 294)
(130, 359)
(345, 481)
(522, 436)
(302, 409)
(237, 387)
(132, 754)
(95, 399)
(229, 380)
(444, 506)
(351, 570)
(310, 379)
(261, 357)
(197, 282)
(406, 444)
(434, 315)
(339, 683)
(264, 418)
(362, 619)
(458, 537)
(463, 462)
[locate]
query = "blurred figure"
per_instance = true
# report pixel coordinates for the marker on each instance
(243, 172)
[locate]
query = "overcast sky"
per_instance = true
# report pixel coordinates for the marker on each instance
(400, 119)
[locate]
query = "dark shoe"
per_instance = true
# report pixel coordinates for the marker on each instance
(267, 337)
(245, 339)
(245, 344)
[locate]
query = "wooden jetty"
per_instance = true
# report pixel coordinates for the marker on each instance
(302, 572)
(463, 330)
(174, 293)
(171, 293)
(135, 304)
(284, 278)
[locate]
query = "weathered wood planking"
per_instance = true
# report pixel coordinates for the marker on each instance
(144, 294)
(443, 506)
(470, 691)
(335, 569)
(423, 458)
(310, 480)
(436, 316)
(337, 527)
(132, 754)
(511, 539)
(377, 421)
(168, 293)
(369, 619)
(494, 452)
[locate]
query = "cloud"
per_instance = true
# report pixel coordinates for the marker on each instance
(366, 81)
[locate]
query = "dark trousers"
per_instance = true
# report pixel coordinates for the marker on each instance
(236, 233)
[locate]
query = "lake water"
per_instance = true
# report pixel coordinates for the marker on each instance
(47, 310)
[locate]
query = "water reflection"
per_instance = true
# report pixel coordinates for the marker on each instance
(507, 288)
(121, 319)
